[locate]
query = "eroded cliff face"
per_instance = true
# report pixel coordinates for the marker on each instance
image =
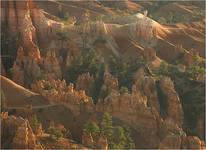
(58, 92)
(52, 65)
(174, 110)
(17, 16)
(18, 133)
(99, 142)
(139, 109)
(25, 22)
(85, 82)
(26, 70)
(142, 111)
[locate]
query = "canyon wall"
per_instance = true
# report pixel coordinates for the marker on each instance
(18, 133)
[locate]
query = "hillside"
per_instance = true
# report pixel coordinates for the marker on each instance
(103, 74)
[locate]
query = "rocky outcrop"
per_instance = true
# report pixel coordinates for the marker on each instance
(17, 16)
(200, 128)
(133, 109)
(27, 23)
(45, 28)
(25, 19)
(87, 140)
(51, 65)
(110, 82)
(25, 69)
(146, 85)
(57, 91)
(193, 142)
(85, 82)
(102, 143)
(151, 58)
(72, 53)
(19, 132)
(99, 142)
(174, 110)
(191, 57)
(170, 135)
(139, 109)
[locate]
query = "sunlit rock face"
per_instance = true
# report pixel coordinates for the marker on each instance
(192, 142)
(147, 86)
(18, 133)
(45, 28)
(99, 142)
(140, 108)
(27, 22)
(102, 143)
(58, 92)
(87, 140)
(133, 108)
(25, 69)
(18, 17)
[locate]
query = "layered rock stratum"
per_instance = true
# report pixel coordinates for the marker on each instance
(152, 108)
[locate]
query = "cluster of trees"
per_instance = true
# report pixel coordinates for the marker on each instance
(90, 62)
(124, 71)
(118, 137)
(190, 91)
(192, 72)
(174, 17)
(63, 36)
(87, 62)
(55, 132)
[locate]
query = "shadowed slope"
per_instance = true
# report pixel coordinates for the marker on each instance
(18, 96)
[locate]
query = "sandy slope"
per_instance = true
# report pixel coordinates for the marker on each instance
(18, 96)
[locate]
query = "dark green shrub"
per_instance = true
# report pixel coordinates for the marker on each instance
(91, 127)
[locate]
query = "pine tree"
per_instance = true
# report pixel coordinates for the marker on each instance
(119, 139)
(92, 127)
(34, 122)
(106, 126)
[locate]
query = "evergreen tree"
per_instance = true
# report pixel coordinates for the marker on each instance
(106, 126)
(98, 82)
(92, 127)
(34, 122)
(118, 139)
(130, 143)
